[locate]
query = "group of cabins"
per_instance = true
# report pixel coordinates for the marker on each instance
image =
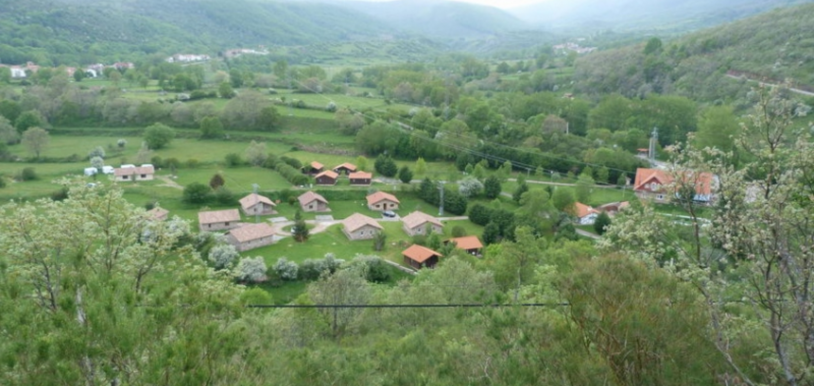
(241, 235)
(329, 177)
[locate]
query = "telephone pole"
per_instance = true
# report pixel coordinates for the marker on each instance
(654, 138)
(441, 201)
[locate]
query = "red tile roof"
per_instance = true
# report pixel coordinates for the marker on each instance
(309, 197)
(416, 218)
(317, 165)
(253, 199)
(379, 196)
(252, 232)
(329, 173)
(360, 176)
(581, 210)
(467, 242)
(419, 254)
(228, 215)
(703, 181)
(346, 165)
(357, 221)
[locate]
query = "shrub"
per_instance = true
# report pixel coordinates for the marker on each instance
(458, 231)
(374, 268)
(192, 163)
(223, 256)
(286, 270)
(28, 174)
(196, 193)
(224, 196)
(250, 270)
(60, 195)
(233, 160)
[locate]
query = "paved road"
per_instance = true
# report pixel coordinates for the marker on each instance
(792, 89)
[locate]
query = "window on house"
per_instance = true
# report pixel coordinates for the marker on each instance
(226, 223)
(660, 197)
(143, 176)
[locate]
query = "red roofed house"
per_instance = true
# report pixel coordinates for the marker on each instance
(381, 201)
(471, 244)
(313, 202)
(327, 177)
(314, 168)
(345, 168)
(218, 220)
(585, 214)
(613, 208)
(251, 236)
(417, 223)
(650, 184)
(144, 172)
(360, 178)
(255, 204)
(360, 227)
(419, 257)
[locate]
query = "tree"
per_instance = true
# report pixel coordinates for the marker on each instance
(8, 134)
(196, 193)
(385, 166)
(158, 136)
(256, 153)
(405, 174)
(79, 75)
(563, 199)
(11, 110)
(603, 175)
(584, 185)
(491, 233)
(301, 232)
(211, 127)
(379, 241)
(250, 110)
(491, 187)
(518, 192)
(236, 78)
(105, 292)
(601, 223)
(36, 140)
(28, 119)
(349, 123)
(346, 286)
(269, 119)
(420, 167)
(226, 91)
(361, 163)
(505, 171)
(98, 151)
(223, 256)
(216, 181)
(251, 270)
(98, 163)
(717, 128)
(470, 187)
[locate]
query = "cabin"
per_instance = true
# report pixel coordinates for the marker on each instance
(327, 177)
(314, 168)
(313, 202)
(158, 214)
(360, 178)
(360, 227)
(657, 185)
(419, 257)
(470, 244)
(218, 220)
(585, 214)
(418, 223)
(346, 168)
(255, 204)
(381, 201)
(144, 172)
(251, 236)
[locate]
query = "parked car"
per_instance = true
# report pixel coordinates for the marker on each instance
(389, 213)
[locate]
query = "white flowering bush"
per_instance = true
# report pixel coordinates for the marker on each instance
(250, 270)
(287, 270)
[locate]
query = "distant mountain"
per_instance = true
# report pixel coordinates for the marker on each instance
(673, 15)
(441, 19)
(773, 46)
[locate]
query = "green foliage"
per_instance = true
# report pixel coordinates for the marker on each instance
(29, 119)
(28, 174)
(196, 193)
(405, 174)
(224, 196)
(374, 268)
(518, 192)
(563, 199)
(233, 160)
(158, 136)
(492, 187)
(211, 127)
(458, 231)
(36, 140)
(301, 231)
(601, 223)
(385, 166)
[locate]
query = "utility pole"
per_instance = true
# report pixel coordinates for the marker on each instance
(653, 140)
(255, 188)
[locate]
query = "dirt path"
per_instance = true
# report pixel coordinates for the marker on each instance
(168, 182)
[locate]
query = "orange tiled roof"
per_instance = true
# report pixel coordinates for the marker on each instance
(419, 254)
(467, 242)
(379, 196)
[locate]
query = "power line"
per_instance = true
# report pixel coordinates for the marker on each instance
(464, 305)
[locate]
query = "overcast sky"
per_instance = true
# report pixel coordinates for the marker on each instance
(496, 3)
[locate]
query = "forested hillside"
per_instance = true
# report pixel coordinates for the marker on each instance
(773, 46)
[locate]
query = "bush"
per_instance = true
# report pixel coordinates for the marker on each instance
(196, 193)
(250, 270)
(223, 256)
(375, 269)
(192, 163)
(286, 270)
(233, 160)
(60, 195)
(224, 196)
(2, 181)
(157, 161)
(28, 174)
(385, 166)
(458, 231)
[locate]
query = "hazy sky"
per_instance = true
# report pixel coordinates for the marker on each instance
(496, 3)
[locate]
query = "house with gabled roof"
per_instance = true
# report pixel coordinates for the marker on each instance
(381, 201)
(471, 244)
(612, 208)
(585, 214)
(314, 168)
(255, 204)
(419, 223)
(251, 236)
(346, 168)
(144, 172)
(419, 257)
(360, 227)
(655, 184)
(217, 220)
(313, 202)
(360, 178)
(327, 177)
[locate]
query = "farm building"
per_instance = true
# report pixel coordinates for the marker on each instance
(585, 214)
(417, 223)
(381, 201)
(144, 172)
(251, 236)
(313, 202)
(360, 178)
(327, 177)
(314, 168)
(360, 227)
(346, 168)
(218, 220)
(419, 257)
(255, 204)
